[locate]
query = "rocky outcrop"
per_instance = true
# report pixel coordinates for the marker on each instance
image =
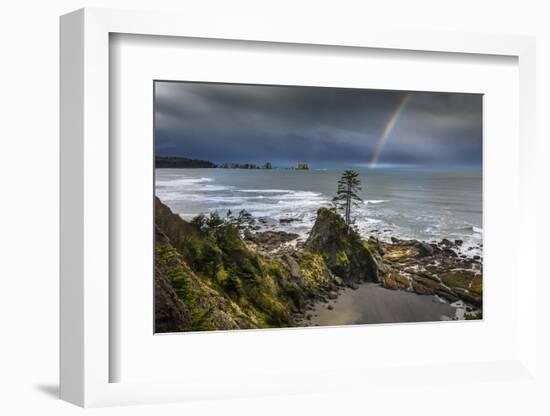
(346, 254)
(433, 269)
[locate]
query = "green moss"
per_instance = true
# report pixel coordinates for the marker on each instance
(232, 286)
(165, 252)
(273, 311)
(477, 285)
(181, 284)
(459, 278)
(168, 259)
(295, 294)
(314, 269)
(369, 248)
(244, 270)
(221, 275)
(201, 320)
(474, 315)
(276, 271)
(341, 259)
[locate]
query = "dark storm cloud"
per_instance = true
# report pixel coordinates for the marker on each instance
(322, 126)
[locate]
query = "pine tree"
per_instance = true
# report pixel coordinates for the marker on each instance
(346, 195)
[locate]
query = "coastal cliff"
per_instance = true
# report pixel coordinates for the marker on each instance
(220, 282)
(219, 277)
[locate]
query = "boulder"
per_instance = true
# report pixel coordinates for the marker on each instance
(338, 281)
(294, 267)
(424, 249)
(445, 243)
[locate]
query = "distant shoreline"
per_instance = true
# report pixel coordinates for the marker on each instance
(162, 162)
(177, 162)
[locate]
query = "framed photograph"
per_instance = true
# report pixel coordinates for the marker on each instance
(291, 206)
(259, 200)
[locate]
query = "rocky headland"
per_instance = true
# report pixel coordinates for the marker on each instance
(216, 276)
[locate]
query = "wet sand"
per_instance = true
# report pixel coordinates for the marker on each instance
(373, 304)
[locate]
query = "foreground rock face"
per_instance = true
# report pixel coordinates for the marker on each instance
(345, 253)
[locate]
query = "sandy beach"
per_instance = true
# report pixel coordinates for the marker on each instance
(372, 303)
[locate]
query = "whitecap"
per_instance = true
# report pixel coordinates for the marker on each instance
(179, 181)
(374, 201)
(268, 191)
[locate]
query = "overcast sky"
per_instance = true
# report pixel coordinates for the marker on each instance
(325, 127)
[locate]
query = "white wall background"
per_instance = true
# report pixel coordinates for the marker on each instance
(29, 206)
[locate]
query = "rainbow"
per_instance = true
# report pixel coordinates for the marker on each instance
(388, 129)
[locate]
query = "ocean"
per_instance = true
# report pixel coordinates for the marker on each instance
(406, 203)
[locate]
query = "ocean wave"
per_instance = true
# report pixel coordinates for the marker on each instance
(303, 195)
(212, 188)
(477, 230)
(267, 191)
(374, 201)
(197, 197)
(179, 181)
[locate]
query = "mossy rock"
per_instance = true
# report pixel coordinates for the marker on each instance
(314, 270)
(171, 313)
(459, 279)
(389, 282)
(476, 315)
(343, 250)
(477, 285)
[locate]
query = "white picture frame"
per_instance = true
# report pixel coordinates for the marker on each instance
(85, 212)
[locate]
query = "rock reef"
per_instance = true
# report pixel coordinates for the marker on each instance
(432, 269)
